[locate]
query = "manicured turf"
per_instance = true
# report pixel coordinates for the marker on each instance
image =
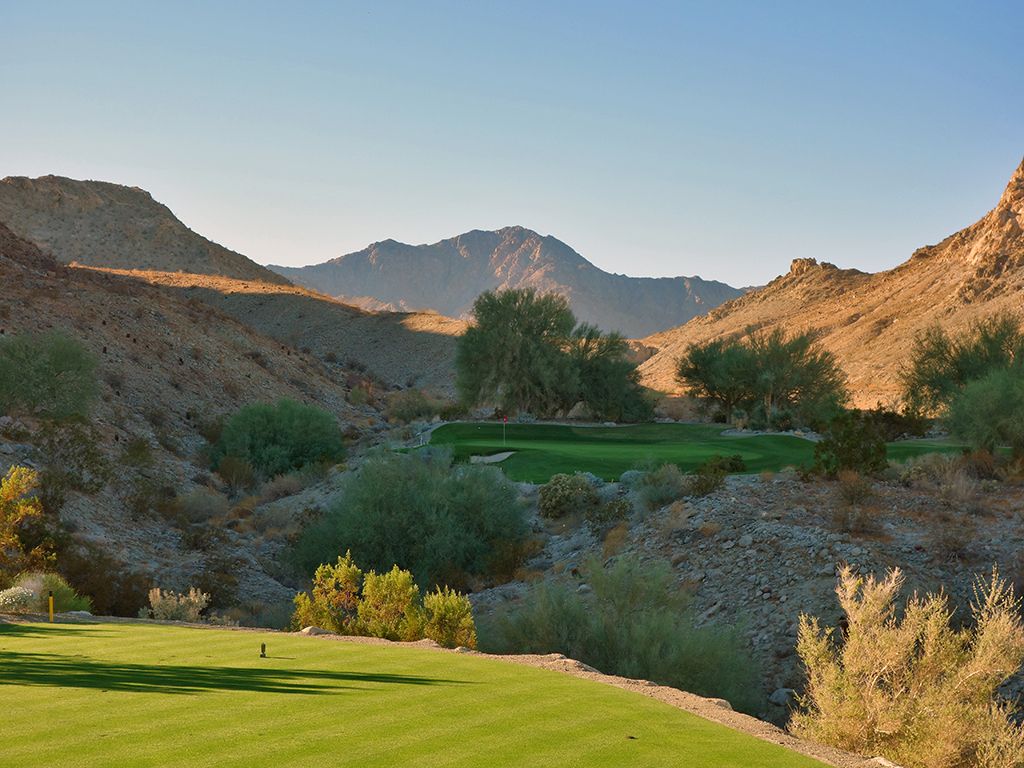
(147, 695)
(542, 450)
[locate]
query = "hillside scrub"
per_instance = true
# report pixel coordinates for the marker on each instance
(344, 600)
(634, 622)
(909, 686)
(941, 364)
(777, 381)
(279, 438)
(564, 495)
(526, 352)
(444, 523)
(48, 374)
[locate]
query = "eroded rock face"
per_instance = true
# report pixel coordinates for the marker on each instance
(870, 320)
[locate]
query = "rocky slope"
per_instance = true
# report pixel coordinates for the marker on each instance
(447, 276)
(869, 320)
(109, 225)
(167, 366)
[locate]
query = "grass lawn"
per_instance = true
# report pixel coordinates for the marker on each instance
(150, 695)
(542, 450)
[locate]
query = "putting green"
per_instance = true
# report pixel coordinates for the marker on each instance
(149, 695)
(541, 450)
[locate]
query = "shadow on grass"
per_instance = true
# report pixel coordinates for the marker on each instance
(44, 669)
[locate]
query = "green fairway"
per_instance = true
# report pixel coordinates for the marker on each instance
(148, 695)
(542, 450)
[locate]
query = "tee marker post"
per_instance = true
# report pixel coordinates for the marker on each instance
(51, 606)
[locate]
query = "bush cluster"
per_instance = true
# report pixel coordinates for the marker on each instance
(661, 486)
(49, 374)
(276, 439)
(633, 622)
(345, 600)
(65, 598)
(600, 518)
(853, 442)
(410, 405)
(565, 495)
(166, 605)
(444, 523)
(909, 686)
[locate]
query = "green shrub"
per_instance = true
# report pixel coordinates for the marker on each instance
(727, 464)
(237, 473)
(853, 443)
(277, 439)
(51, 374)
(17, 600)
(662, 486)
(449, 619)
(359, 396)
(64, 597)
(410, 405)
(333, 601)
(390, 605)
(601, 517)
(989, 412)
(442, 522)
(636, 623)
(565, 495)
(706, 479)
(906, 684)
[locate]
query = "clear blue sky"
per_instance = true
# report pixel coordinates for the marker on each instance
(717, 138)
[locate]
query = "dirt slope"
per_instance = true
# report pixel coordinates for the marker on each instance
(869, 320)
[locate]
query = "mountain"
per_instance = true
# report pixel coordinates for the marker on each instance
(870, 320)
(109, 225)
(98, 226)
(447, 276)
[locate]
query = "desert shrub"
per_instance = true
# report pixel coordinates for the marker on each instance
(50, 374)
(565, 495)
(893, 424)
(166, 605)
(333, 601)
(276, 439)
(418, 511)
(854, 488)
(281, 486)
(706, 479)
(731, 463)
(359, 396)
(449, 619)
(390, 605)
(65, 598)
(219, 578)
(911, 687)
(410, 405)
(989, 412)
(18, 507)
(635, 622)
(115, 588)
(137, 453)
(199, 506)
(601, 517)
(854, 443)
(237, 473)
(661, 486)
(17, 600)
(75, 459)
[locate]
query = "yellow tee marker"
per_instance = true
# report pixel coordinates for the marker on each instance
(51, 606)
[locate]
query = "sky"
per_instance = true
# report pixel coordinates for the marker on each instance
(719, 138)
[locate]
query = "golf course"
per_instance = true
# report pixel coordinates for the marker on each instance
(542, 450)
(154, 695)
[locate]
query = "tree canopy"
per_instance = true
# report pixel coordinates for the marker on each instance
(526, 352)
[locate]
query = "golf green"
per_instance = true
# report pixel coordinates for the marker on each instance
(150, 695)
(541, 450)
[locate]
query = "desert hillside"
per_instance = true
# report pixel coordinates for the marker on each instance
(110, 225)
(447, 276)
(869, 320)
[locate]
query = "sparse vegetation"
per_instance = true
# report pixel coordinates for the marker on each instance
(444, 523)
(635, 622)
(661, 485)
(166, 605)
(566, 495)
(911, 687)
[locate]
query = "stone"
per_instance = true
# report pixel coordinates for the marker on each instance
(745, 541)
(782, 697)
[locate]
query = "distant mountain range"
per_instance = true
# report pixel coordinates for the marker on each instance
(869, 320)
(447, 277)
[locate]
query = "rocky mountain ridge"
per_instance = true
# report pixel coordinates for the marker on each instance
(869, 321)
(447, 276)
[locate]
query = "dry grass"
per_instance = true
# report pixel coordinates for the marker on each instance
(615, 540)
